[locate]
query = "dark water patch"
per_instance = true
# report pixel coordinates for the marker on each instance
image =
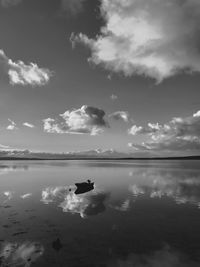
(57, 245)
(6, 226)
(15, 222)
(32, 217)
(6, 206)
(29, 210)
(19, 233)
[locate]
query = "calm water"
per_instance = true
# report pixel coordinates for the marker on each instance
(140, 213)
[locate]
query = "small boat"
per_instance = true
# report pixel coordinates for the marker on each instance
(84, 187)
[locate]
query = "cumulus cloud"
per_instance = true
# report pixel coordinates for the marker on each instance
(120, 115)
(155, 38)
(87, 204)
(20, 254)
(85, 120)
(8, 3)
(113, 97)
(20, 73)
(52, 194)
(182, 187)
(72, 6)
(29, 125)
(177, 144)
(179, 134)
(150, 129)
(12, 126)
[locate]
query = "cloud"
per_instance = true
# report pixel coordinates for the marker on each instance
(151, 129)
(29, 125)
(113, 97)
(98, 153)
(124, 206)
(20, 254)
(180, 134)
(25, 196)
(72, 6)
(10, 152)
(20, 73)
(120, 115)
(9, 195)
(177, 144)
(52, 194)
(87, 204)
(12, 126)
(165, 256)
(95, 153)
(5, 169)
(85, 120)
(182, 187)
(136, 190)
(154, 38)
(4, 147)
(8, 3)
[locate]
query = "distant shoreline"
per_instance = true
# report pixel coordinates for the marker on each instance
(95, 158)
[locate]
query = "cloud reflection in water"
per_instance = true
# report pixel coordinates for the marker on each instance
(8, 195)
(182, 187)
(87, 204)
(165, 257)
(20, 254)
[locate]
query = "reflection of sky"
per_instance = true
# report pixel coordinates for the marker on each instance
(136, 212)
(90, 203)
(20, 254)
(8, 195)
(13, 167)
(183, 187)
(165, 257)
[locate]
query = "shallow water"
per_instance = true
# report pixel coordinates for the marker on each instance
(140, 213)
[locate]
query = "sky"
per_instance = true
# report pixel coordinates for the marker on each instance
(107, 76)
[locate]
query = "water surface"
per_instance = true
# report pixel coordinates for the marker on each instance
(140, 213)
